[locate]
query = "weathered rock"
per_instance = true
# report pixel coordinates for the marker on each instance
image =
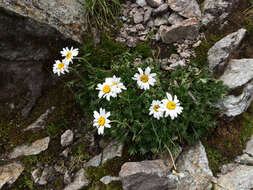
(217, 11)
(67, 178)
(219, 54)
(138, 17)
(108, 179)
(36, 175)
(37, 30)
(187, 29)
(33, 149)
(249, 147)
(79, 182)
(141, 3)
(10, 173)
(194, 162)
(46, 176)
(186, 8)
(244, 159)
(147, 14)
(155, 3)
(67, 138)
(148, 175)
(239, 178)
(94, 162)
(113, 150)
(174, 18)
(227, 168)
(235, 105)
(163, 8)
(238, 73)
(40, 123)
(160, 21)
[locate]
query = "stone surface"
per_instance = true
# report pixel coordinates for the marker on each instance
(194, 161)
(113, 150)
(94, 162)
(148, 175)
(174, 18)
(141, 3)
(67, 138)
(163, 8)
(108, 179)
(244, 159)
(46, 176)
(217, 11)
(219, 54)
(37, 31)
(79, 182)
(138, 17)
(187, 29)
(238, 73)
(40, 123)
(160, 21)
(249, 147)
(186, 8)
(155, 3)
(234, 105)
(33, 149)
(10, 173)
(36, 175)
(238, 179)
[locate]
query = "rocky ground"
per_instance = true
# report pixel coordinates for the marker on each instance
(44, 141)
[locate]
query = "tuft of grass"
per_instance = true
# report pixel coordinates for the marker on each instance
(102, 12)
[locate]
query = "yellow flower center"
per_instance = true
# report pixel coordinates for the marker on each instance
(144, 78)
(60, 65)
(69, 54)
(156, 107)
(101, 121)
(171, 105)
(114, 83)
(106, 89)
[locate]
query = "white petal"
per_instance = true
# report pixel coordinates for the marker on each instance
(147, 70)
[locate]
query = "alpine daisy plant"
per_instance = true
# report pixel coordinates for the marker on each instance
(101, 120)
(69, 53)
(145, 79)
(60, 67)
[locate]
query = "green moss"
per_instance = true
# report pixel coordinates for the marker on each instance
(143, 49)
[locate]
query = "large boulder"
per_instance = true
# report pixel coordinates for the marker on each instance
(217, 11)
(32, 33)
(222, 50)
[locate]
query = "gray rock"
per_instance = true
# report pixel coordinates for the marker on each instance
(219, 54)
(67, 138)
(40, 123)
(131, 41)
(160, 21)
(148, 175)
(150, 24)
(10, 173)
(94, 162)
(108, 179)
(238, 179)
(141, 3)
(163, 8)
(31, 25)
(244, 159)
(113, 150)
(36, 175)
(33, 149)
(67, 178)
(217, 11)
(175, 18)
(238, 73)
(46, 176)
(235, 105)
(138, 17)
(227, 168)
(186, 8)
(155, 3)
(65, 153)
(147, 14)
(194, 162)
(79, 182)
(249, 147)
(187, 29)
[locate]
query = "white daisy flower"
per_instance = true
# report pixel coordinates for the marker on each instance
(114, 81)
(106, 90)
(179, 175)
(101, 120)
(145, 79)
(156, 109)
(171, 107)
(69, 53)
(60, 67)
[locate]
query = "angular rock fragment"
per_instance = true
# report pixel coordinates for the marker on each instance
(155, 3)
(219, 54)
(108, 179)
(161, 9)
(33, 149)
(79, 182)
(187, 29)
(10, 173)
(67, 138)
(186, 8)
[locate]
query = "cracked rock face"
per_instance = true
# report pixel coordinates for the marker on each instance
(79, 181)
(37, 31)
